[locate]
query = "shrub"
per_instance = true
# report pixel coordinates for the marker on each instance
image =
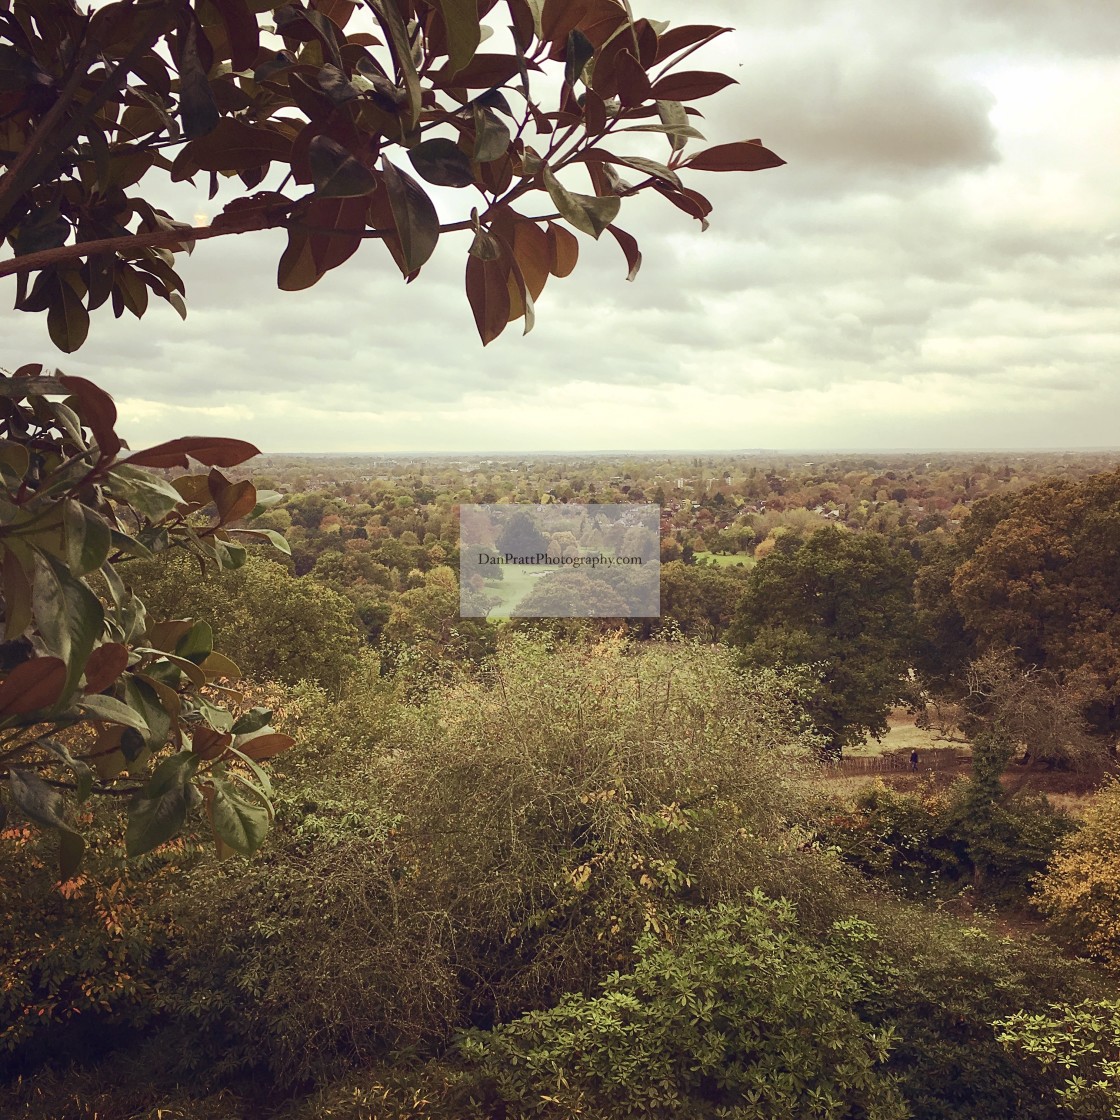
(737, 1016)
(1079, 1046)
(1081, 890)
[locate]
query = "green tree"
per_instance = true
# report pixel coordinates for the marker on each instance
(839, 603)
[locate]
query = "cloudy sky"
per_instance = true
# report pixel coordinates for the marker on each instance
(938, 266)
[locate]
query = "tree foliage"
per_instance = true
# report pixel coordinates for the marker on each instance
(1036, 572)
(333, 120)
(838, 603)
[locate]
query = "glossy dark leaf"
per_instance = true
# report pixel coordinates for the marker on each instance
(492, 137)
(87, 536)
(488, 295)
(238, 821)
(198, 110)
(442, 162)
(629, 247)
(335, 172)
(578, 53)
(69, 615)
(67, 319)
(157, 814)
(460, 19)
(242, 30)
(414, 216)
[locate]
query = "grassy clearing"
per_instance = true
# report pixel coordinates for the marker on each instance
(516, 583)
(734, 560)
(901, 736)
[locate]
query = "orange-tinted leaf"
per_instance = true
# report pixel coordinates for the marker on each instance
(680, 38)
(337, 11)
(482, 72)
(488, 295)
(311, 253)
(213, 451)
(210, 744)
(264, 747)
(629, 246)
(691, 84)
(563, 250)
(35, 684)
(98, 412)
(532, 249)
(236, 501)
(746, 155)
(691, 202)
(105, 665)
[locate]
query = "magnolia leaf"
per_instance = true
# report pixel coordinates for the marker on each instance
(67, 319)
(252, 720)
(197, 643)
(589, 214)
(464, 33)
(112, 710)
(442, 162)
(629, 247)
(69, 615)
(41, 804)
(491, 136)
(158, 812)
(414, 216)
(747, 155)
(579, 52)
(335, 172)
(88, 538)
(35, 685)
(211, 451)
(277, 540)
(83, 774)
(147, 493)
(151, 718)
(237, 821)
(687, 85)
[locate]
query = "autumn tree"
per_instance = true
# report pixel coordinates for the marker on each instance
(1036, 572)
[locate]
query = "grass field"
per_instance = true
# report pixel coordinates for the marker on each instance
(516, 583)
(902, 735)
(735, 560)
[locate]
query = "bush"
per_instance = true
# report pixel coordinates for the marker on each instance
(1081, 890)
(1079, 1046)
(934, 844)
(738, 1016)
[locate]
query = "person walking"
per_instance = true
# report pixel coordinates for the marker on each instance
(914, 759)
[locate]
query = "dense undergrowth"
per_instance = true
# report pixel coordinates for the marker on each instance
(590, 881)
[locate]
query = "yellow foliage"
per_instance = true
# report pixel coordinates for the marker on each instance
(1081, 890)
